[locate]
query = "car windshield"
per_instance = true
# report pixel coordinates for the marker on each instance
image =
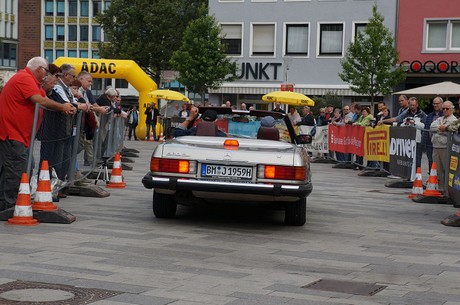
(247, 126)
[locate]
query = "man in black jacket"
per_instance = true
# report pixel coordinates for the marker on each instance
(151, 114)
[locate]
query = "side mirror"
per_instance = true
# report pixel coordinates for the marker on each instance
(303, 139)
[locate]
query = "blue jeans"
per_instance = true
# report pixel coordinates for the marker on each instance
(151, 125)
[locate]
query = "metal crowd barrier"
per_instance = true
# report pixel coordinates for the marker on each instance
(72, 155)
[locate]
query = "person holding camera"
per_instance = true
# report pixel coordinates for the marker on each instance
(151, 115)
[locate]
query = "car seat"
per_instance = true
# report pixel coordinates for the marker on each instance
(207, 129)
(268, 133)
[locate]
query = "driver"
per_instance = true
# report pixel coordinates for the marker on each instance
(185, 129)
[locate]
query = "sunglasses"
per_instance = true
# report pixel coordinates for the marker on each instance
(447, 108)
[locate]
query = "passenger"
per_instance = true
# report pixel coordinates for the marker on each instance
(267, 130)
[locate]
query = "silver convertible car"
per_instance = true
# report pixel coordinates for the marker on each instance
(252, 163)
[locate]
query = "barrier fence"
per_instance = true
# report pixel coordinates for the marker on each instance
(392, 149)
(74, 146)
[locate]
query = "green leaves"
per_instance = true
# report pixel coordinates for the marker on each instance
(201, 60)
(369, 65)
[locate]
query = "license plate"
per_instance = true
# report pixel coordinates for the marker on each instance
(225, 171)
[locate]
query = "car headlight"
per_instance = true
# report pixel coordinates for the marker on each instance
(172, 166)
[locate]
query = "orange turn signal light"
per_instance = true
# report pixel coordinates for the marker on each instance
(231, 144)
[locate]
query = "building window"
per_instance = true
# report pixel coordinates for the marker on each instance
(359, 27)
(59, 53)
(297, 39)
(84, 54)
(96, 55)
(72, 53)
(96, 33)
(83, 33)
(60, 7)
(106, 4)
(232, 34)
(8, 54)
(49, 8)
(97, 7)
(331, 39)
(121, 83)
(49, 33)
(263, 40)
(84, 8)
(49, 55)
(60, 33)
(443, 35)
(73, 7)
(72, 33)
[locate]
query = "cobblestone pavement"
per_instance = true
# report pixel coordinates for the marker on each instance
(358, 231)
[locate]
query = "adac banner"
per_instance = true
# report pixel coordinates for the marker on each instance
(402, 152)
(346, 139)
(453, 182)
(377, 143)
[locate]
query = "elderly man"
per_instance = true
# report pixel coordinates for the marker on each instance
(307, 117)
(439, 128)
(17, 104)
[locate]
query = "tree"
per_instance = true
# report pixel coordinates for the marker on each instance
(146, 31)
(369, 65)
(201, 60)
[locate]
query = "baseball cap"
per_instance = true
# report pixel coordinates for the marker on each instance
(209, 115)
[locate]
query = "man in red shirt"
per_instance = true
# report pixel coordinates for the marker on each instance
(17, 104)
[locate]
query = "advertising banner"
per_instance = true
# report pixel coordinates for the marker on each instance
(346, 139)
(377, 143)
(453, 179)
(319, 143)
(402, 152)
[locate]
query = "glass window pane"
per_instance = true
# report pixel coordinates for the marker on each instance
(84, 54)
(59, 53)
(455, 35)
(83, 32)
(60, 32)
(437, 35)
(73, 7)
(49, 35)
(49, 8)
(96, 54)
(331, 39)
(72, 53)
(96, 33)
(263, 39)
(297, 39)
(121, 83)
(72, 33)
(106, 4)
(232, 38)
(49, 55)
(60, 7)
(97, 7)
(84, 8)
(359, 28)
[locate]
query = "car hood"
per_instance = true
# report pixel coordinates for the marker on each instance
(212, 149)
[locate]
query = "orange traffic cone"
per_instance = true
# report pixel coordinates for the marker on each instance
(43, 198)
(162, 138)
(23, 215)
(417, 188)
(432, 184)
(116, 179)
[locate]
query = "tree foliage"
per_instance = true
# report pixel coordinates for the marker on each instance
(370, 62)
(146, 31)
(201, 60)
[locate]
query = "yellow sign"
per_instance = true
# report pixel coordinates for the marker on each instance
(453, 163)
(377, 143)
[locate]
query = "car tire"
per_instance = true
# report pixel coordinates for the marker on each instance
(296, 213)
(163, 206)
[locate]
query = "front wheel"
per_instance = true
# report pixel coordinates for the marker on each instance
(163, 206)
(296, 213)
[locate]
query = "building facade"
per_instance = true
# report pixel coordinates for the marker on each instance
(428, 41)
(292, 41)
(8, 39)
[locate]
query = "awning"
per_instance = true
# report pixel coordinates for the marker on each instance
(310, 90)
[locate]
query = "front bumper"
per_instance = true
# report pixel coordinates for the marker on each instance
(181, 184)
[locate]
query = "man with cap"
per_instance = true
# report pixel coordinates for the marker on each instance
(184, 128)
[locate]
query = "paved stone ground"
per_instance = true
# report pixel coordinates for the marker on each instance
(357, 230)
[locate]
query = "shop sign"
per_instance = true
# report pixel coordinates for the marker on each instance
(430, 66)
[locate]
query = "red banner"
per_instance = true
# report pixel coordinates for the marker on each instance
(346, 139)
